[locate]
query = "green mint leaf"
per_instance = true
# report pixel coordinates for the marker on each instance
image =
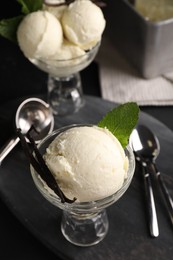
(29, 6)
(8, 28)
(121, 121)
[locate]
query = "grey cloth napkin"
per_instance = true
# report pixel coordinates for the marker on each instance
(120, 82)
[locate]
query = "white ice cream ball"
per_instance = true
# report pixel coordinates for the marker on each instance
(57, 11)
(66, 57)
(68, 51)
(88, 163)
(39, 35)
(83, 23)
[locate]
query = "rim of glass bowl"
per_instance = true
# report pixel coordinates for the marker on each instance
(63, 67)
(84, 207)
(87, 52)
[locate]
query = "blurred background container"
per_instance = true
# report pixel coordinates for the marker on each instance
(143, 31)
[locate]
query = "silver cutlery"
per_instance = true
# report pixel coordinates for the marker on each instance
(152, 150)
(137, 142)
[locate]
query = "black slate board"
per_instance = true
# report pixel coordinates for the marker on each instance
(128, 234)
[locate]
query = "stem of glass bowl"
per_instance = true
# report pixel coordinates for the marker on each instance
(65, 94)
(84, 229)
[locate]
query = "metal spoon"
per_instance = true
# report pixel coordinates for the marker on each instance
(151, 150)
(32, 111)
(138, 142)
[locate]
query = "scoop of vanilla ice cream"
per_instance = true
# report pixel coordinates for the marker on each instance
(57, 11)
(83, 23)
(87, 162)
(66, 56)
(68, 51)
(39, 34)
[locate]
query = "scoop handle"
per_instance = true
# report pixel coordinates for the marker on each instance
(153, 223)
(8, 147)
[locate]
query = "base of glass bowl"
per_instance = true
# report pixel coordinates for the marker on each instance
(84, 229)
(65, 94)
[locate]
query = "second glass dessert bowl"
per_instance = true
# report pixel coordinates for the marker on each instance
(83, 223)
(65, 93)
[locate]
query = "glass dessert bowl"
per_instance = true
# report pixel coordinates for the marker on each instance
(65, 94)
(83, 223)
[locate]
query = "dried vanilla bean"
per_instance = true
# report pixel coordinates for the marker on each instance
(39, 165)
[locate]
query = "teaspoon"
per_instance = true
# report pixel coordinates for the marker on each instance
(138, 142)
(151, 150)
(32, 111)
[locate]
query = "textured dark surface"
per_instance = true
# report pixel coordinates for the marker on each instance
(128, 236)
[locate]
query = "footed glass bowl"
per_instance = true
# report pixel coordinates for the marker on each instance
(65, 93)
(83, 223)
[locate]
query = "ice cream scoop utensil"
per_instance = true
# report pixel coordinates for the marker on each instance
(151, 150)
(137, 146)
(31, 112)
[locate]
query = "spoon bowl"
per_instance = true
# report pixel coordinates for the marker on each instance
(36, 112)
(31, 112)
(145, 143)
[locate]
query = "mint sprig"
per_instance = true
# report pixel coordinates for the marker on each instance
(29, 6)
(121, 121)
(8, 27)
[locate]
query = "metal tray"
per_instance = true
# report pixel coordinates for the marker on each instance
(128, 235)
